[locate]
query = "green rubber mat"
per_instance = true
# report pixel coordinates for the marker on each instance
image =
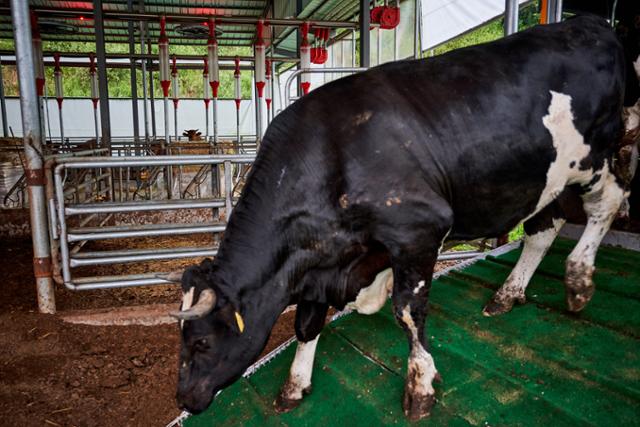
(536, 365)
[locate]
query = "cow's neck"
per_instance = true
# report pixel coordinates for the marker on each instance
(248, 270)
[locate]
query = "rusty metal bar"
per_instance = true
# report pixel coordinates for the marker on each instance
(32, 139)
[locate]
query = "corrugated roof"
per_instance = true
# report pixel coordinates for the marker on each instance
(116, 28)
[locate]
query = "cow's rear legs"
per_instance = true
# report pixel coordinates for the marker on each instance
(601, 203)
(310, 318)
(540, 232)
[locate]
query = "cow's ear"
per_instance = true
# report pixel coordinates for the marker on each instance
(194, 277)
(232, 318)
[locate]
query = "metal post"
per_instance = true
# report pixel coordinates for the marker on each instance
(144, 83)
(96, 126)
(416, 31)
(215, 120)
(238, 130)
(353, 48)
(101, 60)
(550, 10)
(510, 17)
(365, 39)
(151, 94)
(32, 140)
(175, 123)
(134, 79)
(557, 16)
(3, 106)
(61, 125)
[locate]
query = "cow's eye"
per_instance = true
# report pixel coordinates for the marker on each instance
(201, 345)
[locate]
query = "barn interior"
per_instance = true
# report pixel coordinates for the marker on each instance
(128, 130)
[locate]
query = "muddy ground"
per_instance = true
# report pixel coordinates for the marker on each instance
(59, 374)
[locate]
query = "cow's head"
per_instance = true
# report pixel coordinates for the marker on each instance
(216, 346)
(192, 134)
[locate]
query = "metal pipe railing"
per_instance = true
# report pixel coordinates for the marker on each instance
(104, 233)
(69, 235)
(156, 255)
(292, 77)
(149, 205)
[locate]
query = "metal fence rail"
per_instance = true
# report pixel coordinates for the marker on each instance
(67, 234)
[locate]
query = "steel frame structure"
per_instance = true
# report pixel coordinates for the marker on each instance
(56, 207)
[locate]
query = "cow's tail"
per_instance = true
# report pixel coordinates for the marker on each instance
(625, 162)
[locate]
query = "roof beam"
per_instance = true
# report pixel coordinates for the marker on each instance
(222, 20)
(138, 56)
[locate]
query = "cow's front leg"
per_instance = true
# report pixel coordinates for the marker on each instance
(540, 232)
(410, 299)
(601, 203)
(310, 318)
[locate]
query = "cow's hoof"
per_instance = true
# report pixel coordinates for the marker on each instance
(497, 306)
(283, 403)
(417, 407)
(579, 286)
(578, 298)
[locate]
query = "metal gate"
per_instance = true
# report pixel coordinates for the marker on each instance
(71, 237)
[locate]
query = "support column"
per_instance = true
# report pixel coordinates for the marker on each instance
(3, 106)
(134, 78)
(510, 17)
(417, 40)
(365, 40)
(144, 75)
(550, 6)
(101, 60)
(32, 140)
(152, 97)
(557, 14)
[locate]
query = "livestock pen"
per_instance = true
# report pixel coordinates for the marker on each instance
(129, 130)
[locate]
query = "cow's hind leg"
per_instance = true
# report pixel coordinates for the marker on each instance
(310, 318)
(601, 202)
(540, 232)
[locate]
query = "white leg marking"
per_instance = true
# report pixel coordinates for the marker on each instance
(301, 370)
(636, 66)
(535, 248)
(421, 365)
(372, 298)
(601, 205)
(187, 302)
(570, 150)
(416, 290)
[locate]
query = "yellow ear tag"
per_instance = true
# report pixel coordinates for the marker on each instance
(240, 322)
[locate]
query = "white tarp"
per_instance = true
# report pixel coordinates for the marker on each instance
(443, 20)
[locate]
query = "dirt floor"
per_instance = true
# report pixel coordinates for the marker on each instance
(60, 374)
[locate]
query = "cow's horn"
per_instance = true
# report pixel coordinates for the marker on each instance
(206, 303)
(174, 276)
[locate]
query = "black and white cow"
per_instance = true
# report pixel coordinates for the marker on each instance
(373, 171)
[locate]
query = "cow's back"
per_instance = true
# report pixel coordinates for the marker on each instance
(467, 125)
